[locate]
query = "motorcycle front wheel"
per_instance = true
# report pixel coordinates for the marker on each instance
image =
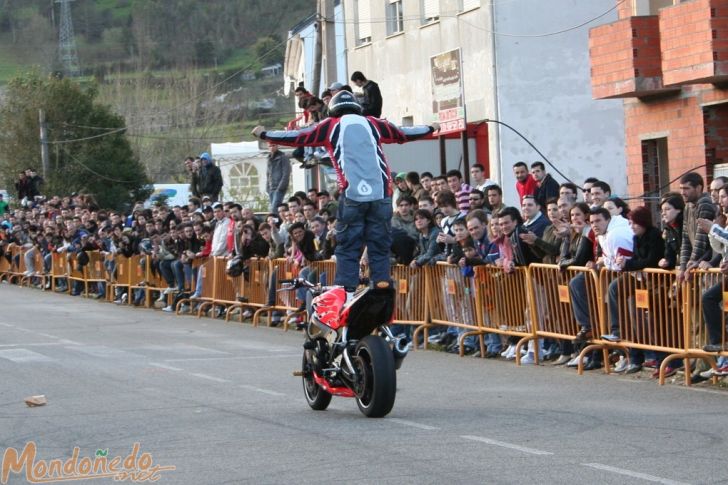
(376, 377)
(316, 397)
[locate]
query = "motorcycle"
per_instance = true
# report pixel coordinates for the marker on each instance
(342, 355)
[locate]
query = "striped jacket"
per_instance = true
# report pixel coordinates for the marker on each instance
(694, 241)
(354, 144)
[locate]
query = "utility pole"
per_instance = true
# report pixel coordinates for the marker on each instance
(328, 33)
(317, 55)
(67, 53)
(43, 142)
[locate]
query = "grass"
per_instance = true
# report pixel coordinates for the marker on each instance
(10, 66)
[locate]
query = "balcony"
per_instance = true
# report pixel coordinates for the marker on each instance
(695, 42)
(625, 59)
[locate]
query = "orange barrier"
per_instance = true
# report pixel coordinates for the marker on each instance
(226, 288)
(17, 264)
(59, 268)
(554, 314)
(412, 295)
(504, 305)
(206, 272)
(258, 283)
(95, 271)
(696, 334)
(452, 303)
(4, 266)
(655, 314)
(76, 275)
(39, 272)
(285, 301)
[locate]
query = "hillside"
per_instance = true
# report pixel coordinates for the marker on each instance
(143, 35)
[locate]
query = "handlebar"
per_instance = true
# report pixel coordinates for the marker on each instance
(295, 283)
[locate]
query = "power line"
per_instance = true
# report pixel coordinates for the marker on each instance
(459, 18)
(190, 100)
(100, 175)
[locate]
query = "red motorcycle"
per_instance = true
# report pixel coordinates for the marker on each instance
(342, 355)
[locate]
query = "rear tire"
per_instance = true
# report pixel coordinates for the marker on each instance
(377, 387)
(316, 397)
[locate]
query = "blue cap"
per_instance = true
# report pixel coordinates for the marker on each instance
(205, 156)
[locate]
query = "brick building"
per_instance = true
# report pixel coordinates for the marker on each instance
(668, 60)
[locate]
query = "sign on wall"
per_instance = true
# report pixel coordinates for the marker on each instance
(447, 91)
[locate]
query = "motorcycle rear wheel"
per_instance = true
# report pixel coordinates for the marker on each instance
(377, 387)
(316, 397)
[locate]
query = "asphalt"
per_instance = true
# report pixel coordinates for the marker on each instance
(218, 402)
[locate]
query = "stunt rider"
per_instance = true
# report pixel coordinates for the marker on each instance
(364, 216)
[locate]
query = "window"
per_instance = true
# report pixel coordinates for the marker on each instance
(655, 171)
(430, 11)
(363, 21)
(244, 177)
(408, 121)
(466, 5)
(395, 18)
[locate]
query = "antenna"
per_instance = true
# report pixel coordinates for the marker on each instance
(67, 53)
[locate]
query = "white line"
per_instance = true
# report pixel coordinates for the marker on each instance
(404, 422)
(165, 366)
(246, 357)
(511, 446)
(264, 391)
(629, 473)
(23, 355)
(209, 378)
(40, 344)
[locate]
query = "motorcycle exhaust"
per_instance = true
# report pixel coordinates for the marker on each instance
(399, 351)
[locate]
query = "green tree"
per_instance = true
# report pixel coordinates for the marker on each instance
(269, 50)
(83, 158)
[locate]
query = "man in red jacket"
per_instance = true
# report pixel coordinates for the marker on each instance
(525, 183)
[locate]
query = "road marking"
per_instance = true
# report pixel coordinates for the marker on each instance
(412, 424)
(23, 355)
(629, 473)
(165, 366)
(184, 349)
(42, 334)
(503, 444)
(245, 357)
(209, 378)
(104, 352)
(261, 390)
(34, 344)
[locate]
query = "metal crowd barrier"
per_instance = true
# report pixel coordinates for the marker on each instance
(413, 292)
(654, 312)
(285, 301)
(696, 335)
(452, 302)
(254, 286)
(504, 304)
(554, 314)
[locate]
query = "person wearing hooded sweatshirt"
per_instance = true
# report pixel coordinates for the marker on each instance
(210, 178)
(649, 247)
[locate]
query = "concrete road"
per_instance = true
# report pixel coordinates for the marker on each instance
(218, 402)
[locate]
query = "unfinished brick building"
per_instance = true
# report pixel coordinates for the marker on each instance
(668, 60)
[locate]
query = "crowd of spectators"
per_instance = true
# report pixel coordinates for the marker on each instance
(436, 218)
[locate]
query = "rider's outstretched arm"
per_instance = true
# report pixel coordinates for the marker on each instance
(391, 133)
(314, 136)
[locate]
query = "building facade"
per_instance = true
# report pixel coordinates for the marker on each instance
(524, 63)
(668, 61)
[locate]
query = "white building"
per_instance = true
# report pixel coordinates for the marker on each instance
(243, 168)
(513, 70)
